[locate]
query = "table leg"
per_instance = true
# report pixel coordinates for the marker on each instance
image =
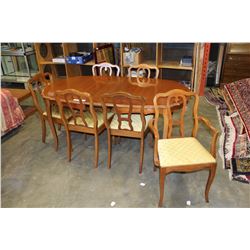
(51, 124)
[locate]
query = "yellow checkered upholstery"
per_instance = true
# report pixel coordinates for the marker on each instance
(56, 114)
(136, 122)
(182, 151)
(89, 119)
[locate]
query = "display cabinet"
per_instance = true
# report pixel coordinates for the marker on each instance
(18, 62)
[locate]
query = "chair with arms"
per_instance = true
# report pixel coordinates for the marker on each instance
(183, 154)
(143, 71)
(128, 121)
(36, 84)
(97, 69)
(83, 118)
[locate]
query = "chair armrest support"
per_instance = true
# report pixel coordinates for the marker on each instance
(156, 135)
(214, 132)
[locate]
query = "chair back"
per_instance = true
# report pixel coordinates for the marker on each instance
(143, 82)
(143, 71)
(36, 84)
(79, 104)
(124, 106)
(108, 68)
(163, 102)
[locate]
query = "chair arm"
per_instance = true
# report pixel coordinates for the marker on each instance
(215, 134)
(156, 135)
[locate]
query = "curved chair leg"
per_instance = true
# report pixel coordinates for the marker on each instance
(96, 150)
(141, 155)
(43, 129)
(210, 179)
(69, 145)
(109, 149)
(162, 182)
(51, 124)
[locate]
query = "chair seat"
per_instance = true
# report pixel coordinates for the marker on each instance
(182, 152)
(89, 119)
(136, 122)
(56, 114)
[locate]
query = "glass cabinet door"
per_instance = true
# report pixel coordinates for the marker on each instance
(18, 62)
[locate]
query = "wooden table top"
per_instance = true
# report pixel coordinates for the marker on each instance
(98, 85)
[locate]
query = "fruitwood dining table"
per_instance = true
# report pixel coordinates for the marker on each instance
(96, 86)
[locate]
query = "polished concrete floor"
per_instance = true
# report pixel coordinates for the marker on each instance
(34, 175)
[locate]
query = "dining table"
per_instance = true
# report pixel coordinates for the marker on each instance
(96, 86)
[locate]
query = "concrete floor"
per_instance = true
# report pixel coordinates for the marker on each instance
(34, 175)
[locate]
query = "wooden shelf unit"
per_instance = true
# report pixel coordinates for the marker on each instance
(166, 56)
(169, 56)
(236, 62)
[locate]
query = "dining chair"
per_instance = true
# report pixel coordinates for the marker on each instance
(97, 69)
(36, 84)
(128, 120)
(83, 118)
(143, 71)
(185, 153)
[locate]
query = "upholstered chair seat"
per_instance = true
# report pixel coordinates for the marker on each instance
(56, 114)
(89, 119)
(136, 122)
(182, 151)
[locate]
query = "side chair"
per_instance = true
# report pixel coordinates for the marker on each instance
(97, 69)
(143, 71)
(128, 121)
(83, 118)
(182, 154)
(36, 84)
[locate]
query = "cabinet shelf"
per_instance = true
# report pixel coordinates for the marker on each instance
(50, 62)
(17, 77)
(89, 63)
(174, 65)
(149, 62)
(18, 52)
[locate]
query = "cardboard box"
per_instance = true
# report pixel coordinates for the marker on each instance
(132, 58)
